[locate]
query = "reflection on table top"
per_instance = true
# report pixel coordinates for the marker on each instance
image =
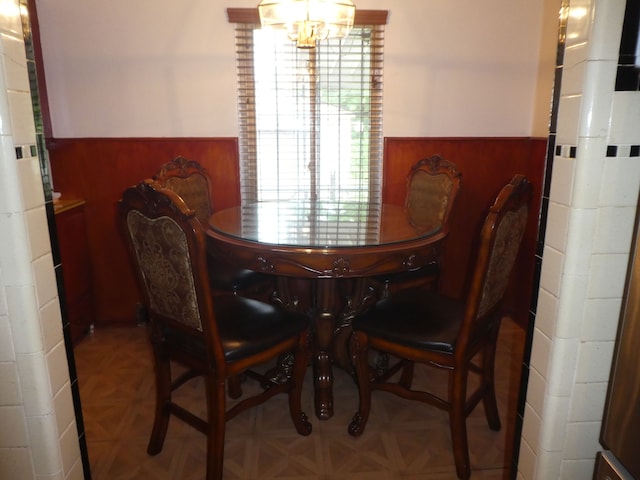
(319, 224)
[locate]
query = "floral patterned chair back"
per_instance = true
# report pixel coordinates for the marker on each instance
(155, 221)
(191, 182)
(500, 240)
(432, 187)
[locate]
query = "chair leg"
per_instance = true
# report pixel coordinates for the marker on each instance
(406, 378)
(235, 387)
(163, 400)
(381, 362)
(300, 420)
(458, 421)
(488, 383)
(358, 347)
(216, 419)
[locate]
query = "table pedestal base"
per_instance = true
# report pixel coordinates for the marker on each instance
(331, 317)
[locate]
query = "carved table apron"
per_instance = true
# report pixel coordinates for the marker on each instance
(329, 242)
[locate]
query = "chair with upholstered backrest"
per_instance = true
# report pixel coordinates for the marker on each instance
(458, 336)
(216, 337)
(191, 182)
(433, 184)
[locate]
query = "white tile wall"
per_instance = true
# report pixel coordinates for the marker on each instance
(552, 263)
(569, 110)
(607, 275)
(562, 180)
(38, 232)
(573, 298)
(34, 378)
(592, 207)
(10, 394)
(13, 425)
(605, 39)
(573, 71)
(625, 118)
(601, 319)
(541, 353)
(579, 244)
(589, 398)
(43, 433)
(26, 332)
(556, 410)
(51, 319)
(7, 352)
(624, 174)
(547, 313)
(39, 436)
(614, 229)
(526, 461)
(587, 179)
(531, 428)
(16, 462)
(549, 465)
(536, 387)
(597, 94)
(558, 220)
(564, 351)
(575, 469)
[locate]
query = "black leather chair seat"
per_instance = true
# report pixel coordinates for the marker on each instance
(429, 271)
(415, 318)
(249, 326)
(226, 278)
(246, 327)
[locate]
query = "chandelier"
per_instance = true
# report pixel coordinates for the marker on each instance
(307, 21)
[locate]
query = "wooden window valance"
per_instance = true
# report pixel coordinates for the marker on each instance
(363, 17)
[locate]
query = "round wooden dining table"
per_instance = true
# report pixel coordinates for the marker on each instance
(340, 246)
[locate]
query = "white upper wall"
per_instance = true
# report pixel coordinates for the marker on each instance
(155, 68)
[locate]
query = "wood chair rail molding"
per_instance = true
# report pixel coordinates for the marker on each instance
(100, 169)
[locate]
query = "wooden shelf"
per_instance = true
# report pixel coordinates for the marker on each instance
(62, 205)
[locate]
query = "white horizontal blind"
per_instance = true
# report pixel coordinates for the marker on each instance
(310, 120)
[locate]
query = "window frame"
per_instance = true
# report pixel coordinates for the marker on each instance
(248, 153)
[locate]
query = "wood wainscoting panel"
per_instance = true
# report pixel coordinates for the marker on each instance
(486, 165)
(99, 170)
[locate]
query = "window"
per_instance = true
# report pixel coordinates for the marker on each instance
(310, 120)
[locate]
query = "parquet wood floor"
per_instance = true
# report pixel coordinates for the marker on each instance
(403, 440)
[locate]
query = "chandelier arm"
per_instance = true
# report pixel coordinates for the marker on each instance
(307, 21)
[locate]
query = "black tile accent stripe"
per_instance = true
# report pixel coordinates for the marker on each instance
(548, 167)
(23, 151)
(570, 151)
(566, 151)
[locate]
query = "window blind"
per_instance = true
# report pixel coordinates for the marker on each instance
(310, 120)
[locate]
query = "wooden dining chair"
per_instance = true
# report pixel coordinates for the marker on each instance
(215, 337)
(191, 182)
(458, 336)
(433, 184)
